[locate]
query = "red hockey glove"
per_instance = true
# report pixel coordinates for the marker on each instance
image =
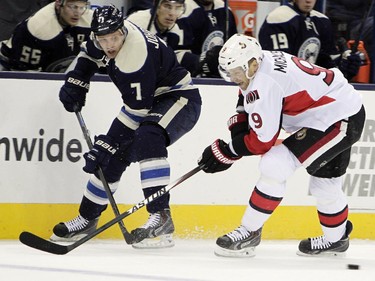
(217, 157)
(238, 124)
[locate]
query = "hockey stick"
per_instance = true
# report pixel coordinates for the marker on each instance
(354, 47)
(153, 14)
(39, 243)
(127, 236)
(226, 30)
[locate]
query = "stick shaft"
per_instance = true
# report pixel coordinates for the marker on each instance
(127, 236)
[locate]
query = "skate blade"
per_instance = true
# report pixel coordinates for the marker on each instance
(244, 253)
(162, 241)
(55, 238)
(322, 254)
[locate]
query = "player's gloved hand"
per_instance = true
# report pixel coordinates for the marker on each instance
(104, 148)
(209, 62)
(217, 157)
(73, 92)
(350, 64)
(238, 124)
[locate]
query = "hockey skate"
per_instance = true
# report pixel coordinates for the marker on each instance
(240, 243)
(319, 246)
(156, 232)
(74, 229)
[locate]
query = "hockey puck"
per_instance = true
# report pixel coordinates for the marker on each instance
(353, 266)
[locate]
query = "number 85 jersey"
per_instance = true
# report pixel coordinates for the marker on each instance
(290, 93)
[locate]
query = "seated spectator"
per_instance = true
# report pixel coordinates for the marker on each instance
(297, 29)
(50, 39)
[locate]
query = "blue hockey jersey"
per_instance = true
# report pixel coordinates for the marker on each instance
(308, 37)
(41, 41)
(144, 70)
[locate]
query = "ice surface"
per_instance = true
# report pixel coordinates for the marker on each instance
(189, 260)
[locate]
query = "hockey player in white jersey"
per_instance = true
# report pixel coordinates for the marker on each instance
(323, 114)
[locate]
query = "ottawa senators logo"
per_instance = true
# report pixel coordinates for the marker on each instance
(252, 96)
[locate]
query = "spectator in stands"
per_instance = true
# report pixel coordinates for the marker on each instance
(13, 12)
(50, 39)
(297, 29)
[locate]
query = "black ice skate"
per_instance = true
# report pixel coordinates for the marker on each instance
(319, 246)
(73, 230)
(238, 243)
(156, 232)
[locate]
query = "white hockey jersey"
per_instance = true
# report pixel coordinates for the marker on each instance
(290, 93)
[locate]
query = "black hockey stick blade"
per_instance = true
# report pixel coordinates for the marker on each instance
(38, 243)
(41, 244)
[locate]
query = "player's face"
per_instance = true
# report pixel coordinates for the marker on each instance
(111, 43)
(72, 11)
(239, 76)
(168, 13)
(305, 6)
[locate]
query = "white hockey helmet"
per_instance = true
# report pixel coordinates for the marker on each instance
(237, 52)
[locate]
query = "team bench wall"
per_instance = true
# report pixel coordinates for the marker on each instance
(41, 177)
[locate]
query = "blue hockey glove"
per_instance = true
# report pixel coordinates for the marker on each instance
(73, 92)
(350, 64)
(100, 155)
(217, 157)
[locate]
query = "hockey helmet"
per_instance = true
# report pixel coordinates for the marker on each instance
(237, 52)
(107, 19)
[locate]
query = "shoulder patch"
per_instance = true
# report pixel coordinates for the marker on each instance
(133, 54)
(44, 25)
(140, 18)
(219, 4)
(85, 20)
(314, 13)
(281, 14)
(190, 7)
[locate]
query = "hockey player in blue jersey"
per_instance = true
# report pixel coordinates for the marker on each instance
(160, 105)
(49, 40)
(196, 35)
(208, 35)
(301, 31)
(164, 23)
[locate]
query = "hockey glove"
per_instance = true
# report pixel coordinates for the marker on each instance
(217, 157)
(100, 155)
(73, 92)
(238, 124)
(350, 64)
(209, 62)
